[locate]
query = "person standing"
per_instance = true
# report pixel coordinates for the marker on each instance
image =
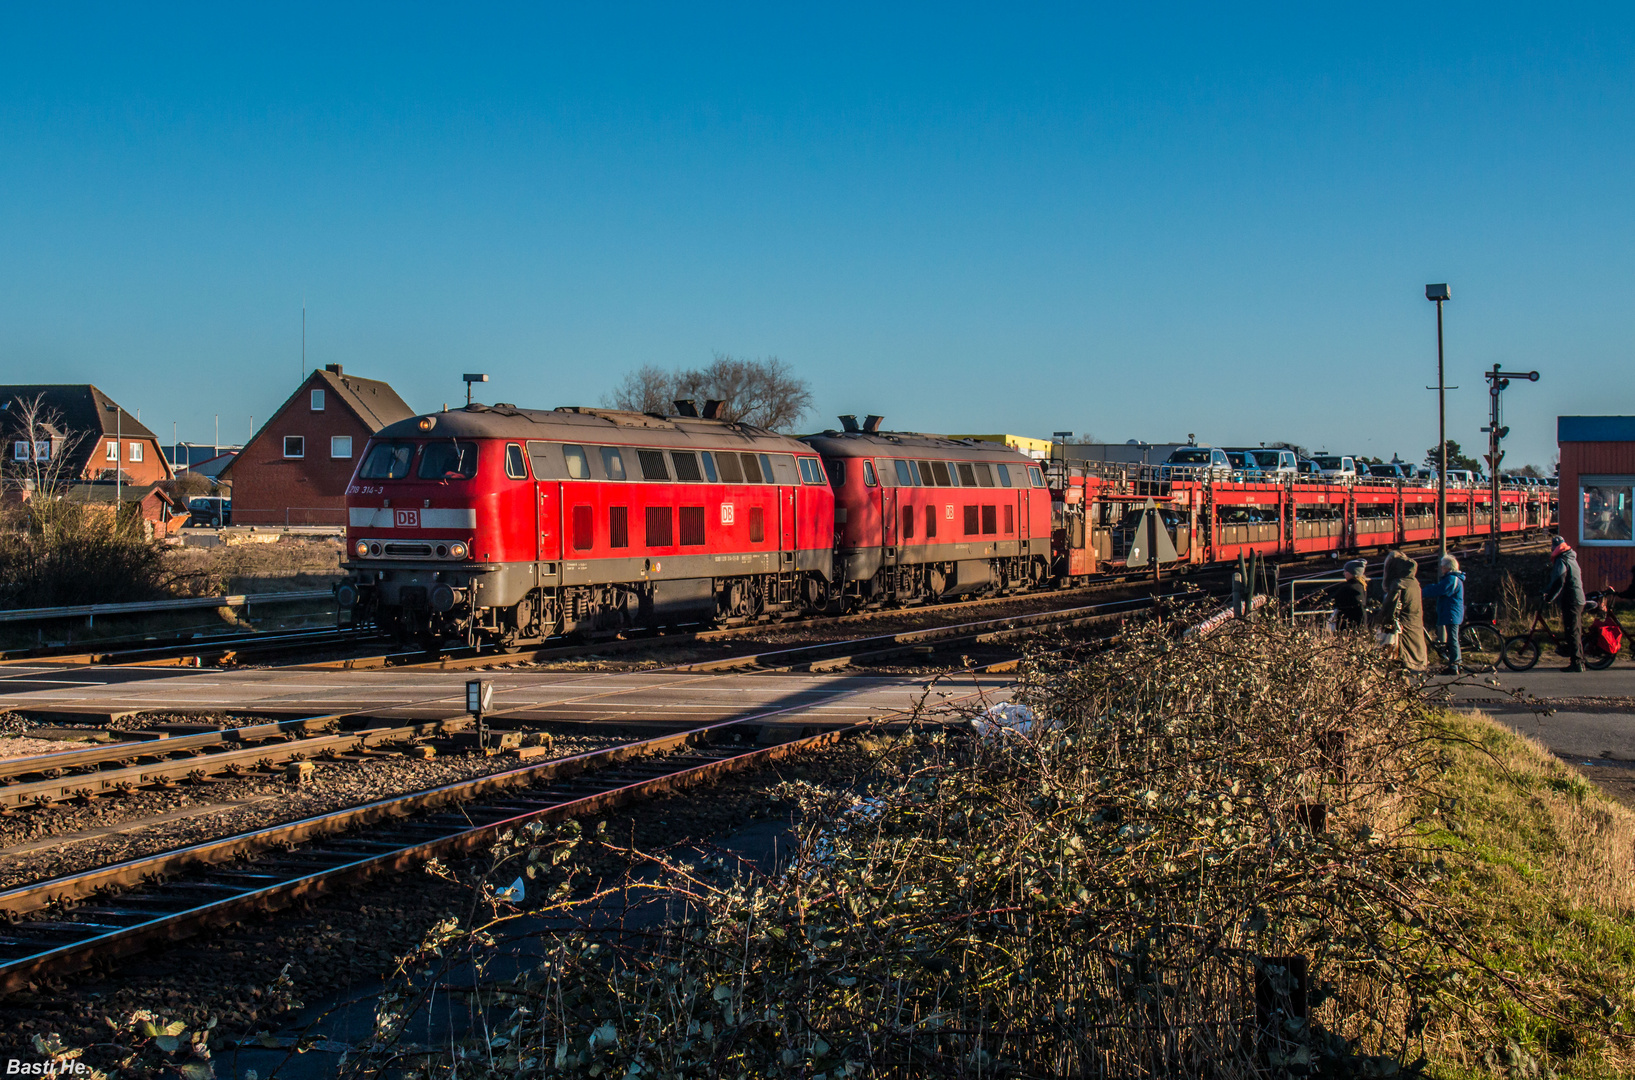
(1351, 597)
(1449, 590)
(1566, 588)
(1404, 608)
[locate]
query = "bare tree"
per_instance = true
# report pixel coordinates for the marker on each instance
(763, 392)
(39, 456)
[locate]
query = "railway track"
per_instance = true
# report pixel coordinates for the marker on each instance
(68, 923)
(215, 651)
(43, 779)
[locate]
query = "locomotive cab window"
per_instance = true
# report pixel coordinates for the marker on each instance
(1037, 477)
(687, 471)
(448, 461)
(709, 466)
(612, 463)
(387, 461)
(515, 466)
(869, 479)
(578, 463)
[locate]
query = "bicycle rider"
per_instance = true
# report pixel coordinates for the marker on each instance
(1566, 588)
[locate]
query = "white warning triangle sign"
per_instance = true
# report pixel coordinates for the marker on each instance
(1141, 541)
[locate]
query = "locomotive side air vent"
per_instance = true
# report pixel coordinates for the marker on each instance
(712, 409)
(871, 423)
(849, 422)
(686, 407)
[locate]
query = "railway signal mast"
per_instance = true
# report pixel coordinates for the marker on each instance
(1496, 382)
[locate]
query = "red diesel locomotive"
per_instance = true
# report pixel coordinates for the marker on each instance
(500, 525)
(496, 525)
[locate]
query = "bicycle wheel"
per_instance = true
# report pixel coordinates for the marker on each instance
(1482, 646)
(1520, 652)
(1596, 658)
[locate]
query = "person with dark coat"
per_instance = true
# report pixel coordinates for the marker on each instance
(1351, 597)
(1404, 608)
(1449, 590)
(1566, 589)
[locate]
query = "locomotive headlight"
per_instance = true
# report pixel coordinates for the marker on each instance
(362, 549)
(457, 550)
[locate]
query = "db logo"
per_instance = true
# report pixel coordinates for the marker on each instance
(407, 519)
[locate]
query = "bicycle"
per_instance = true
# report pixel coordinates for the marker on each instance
(1602, 639)
(1481, 646)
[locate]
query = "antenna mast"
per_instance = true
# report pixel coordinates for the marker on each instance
(303, 337)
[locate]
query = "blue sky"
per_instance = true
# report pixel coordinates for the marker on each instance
(1133, 222)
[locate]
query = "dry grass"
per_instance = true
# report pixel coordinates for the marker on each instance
(290, 563)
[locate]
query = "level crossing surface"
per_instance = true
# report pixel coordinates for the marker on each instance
(667, 697)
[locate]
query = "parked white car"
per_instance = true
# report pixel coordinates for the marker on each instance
(1341, 467)
(1189, 462)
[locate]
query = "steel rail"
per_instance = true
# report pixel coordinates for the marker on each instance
(218, 893)
(202, 762)
(177, 653)
(89, 756)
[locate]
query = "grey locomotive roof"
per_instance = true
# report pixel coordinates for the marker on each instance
(910, 444)
(573, 424)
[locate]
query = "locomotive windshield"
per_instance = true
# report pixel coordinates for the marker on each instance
(449, 461)
(387, 461)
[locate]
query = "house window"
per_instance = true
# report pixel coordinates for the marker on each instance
(295, 446)
(584, 527)
(136, 451)
(757, 525)
(340, 446)
(1605, 511)
(618, 527)
(658, 526)
(317, 401)
(19, 450)
(692, 526)
(112, 451)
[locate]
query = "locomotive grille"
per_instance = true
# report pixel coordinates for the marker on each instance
(421, 551)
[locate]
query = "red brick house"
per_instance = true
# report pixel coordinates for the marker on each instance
(294, 471)
(98, 436)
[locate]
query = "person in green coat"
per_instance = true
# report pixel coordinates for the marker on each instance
(1404, 608)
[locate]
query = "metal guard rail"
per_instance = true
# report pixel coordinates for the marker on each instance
(183, 604)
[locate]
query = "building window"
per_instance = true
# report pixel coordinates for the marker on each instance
(136, 451)
(112, 451)
(19, 450)
(618, 527)
(317, 401)
(340, 446)
(295, 446)
(1605, 513)
(692, 526)
(658, 526)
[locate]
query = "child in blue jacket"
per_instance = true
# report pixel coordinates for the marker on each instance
(1449, 590)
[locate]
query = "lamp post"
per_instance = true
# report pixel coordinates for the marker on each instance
(119, 458)
(1438, 294)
